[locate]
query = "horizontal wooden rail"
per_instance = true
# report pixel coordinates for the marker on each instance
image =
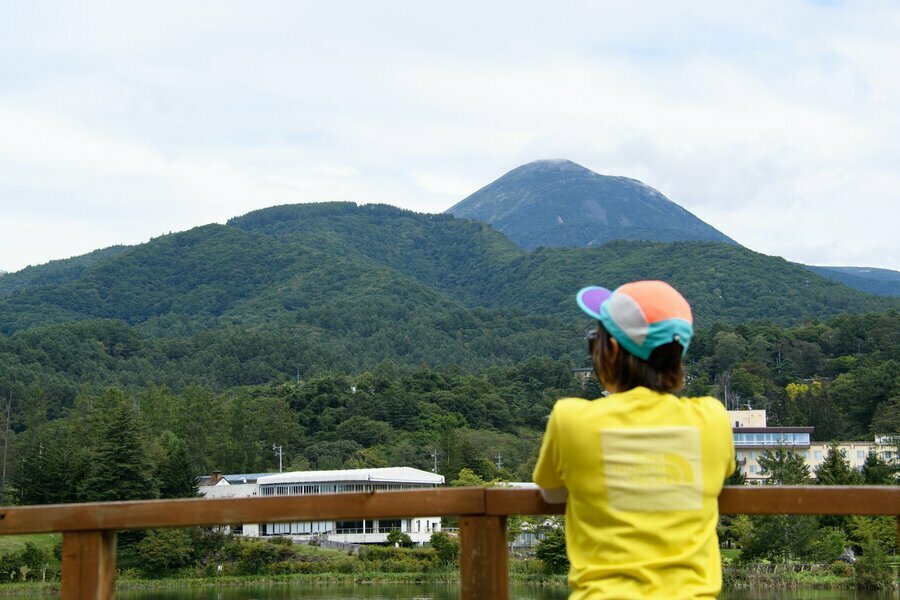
(757, 500)
(148, 514)
(88, 564)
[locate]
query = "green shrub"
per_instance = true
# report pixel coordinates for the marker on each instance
(552, 551)
(164, 551)
(872, 569)
(283, 567)
(397, 537)
(256, 556)
(447, 550)
(841, 569)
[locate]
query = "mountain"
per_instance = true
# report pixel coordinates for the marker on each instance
(299, 290)
(883, 282)
(558, 203)
(56, 271)
(345, 269)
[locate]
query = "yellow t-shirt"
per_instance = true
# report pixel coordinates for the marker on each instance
(643, 472)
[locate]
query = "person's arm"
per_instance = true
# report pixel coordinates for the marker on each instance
(555, 496)
(548, 470)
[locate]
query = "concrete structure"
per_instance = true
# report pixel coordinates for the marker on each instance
(854, 452)
(300, 483)
(752, 437)
(233, 486)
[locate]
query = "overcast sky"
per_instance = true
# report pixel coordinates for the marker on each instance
(776, 122)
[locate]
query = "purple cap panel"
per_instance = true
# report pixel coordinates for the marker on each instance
(590, 299)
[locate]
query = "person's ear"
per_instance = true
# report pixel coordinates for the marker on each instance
(613, 349)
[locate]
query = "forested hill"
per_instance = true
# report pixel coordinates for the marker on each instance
(57, 271)
(369, 335)
(341, 267)
(884, 282)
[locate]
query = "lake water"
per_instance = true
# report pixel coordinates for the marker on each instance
(428, 592)
(445, 592)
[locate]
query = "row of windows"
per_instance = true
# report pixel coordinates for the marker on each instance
(817, 455)
(771, 439)
(330, 488)
(753, 454)
(376, 526)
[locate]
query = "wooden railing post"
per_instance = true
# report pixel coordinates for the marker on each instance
(88, 565)
(483, 558)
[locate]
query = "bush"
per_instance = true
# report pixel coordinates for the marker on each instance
(872, 569)
(399, 538)
(163, 551)
(256, 557)
(552, 551)
(841, 569)
(447, 550)
(828, 545)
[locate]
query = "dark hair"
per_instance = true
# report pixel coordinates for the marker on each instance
(662, 372)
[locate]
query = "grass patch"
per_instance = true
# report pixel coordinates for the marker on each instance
(731, 553)
(44, 541)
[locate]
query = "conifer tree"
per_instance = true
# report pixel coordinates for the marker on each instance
(783, 467)
(835, 470)
(120, 467)
(175, 477)
(876, 471)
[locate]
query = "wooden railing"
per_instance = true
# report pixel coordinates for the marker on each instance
(89, 530)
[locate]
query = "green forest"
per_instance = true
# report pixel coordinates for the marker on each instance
(367, 336)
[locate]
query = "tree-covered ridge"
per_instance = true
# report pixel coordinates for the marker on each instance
(722, 282)
(57, 271)
(840, 377)
(883, 282)
(454, 255)
(320, 264)
(438, 319)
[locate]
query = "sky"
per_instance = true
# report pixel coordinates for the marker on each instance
(776, 122)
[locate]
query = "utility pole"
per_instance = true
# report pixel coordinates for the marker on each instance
(279, 450)
(434, 455)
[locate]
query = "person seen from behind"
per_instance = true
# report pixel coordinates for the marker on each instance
(640, 469)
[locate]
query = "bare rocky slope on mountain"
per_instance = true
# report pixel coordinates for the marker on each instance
(558, 203)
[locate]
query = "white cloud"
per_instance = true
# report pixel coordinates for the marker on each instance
(132, 120)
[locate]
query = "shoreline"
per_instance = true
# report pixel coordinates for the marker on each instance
(731, 581)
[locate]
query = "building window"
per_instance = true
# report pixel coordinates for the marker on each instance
(388, 525)
(860, 455)
(817, 455)
(349, 527)
(753, 468)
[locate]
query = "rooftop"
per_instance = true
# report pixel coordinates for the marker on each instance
(385, 475)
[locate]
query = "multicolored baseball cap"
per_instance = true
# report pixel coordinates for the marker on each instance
(641, 315)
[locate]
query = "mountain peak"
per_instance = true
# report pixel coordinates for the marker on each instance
(557, 202)
(553, 164)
